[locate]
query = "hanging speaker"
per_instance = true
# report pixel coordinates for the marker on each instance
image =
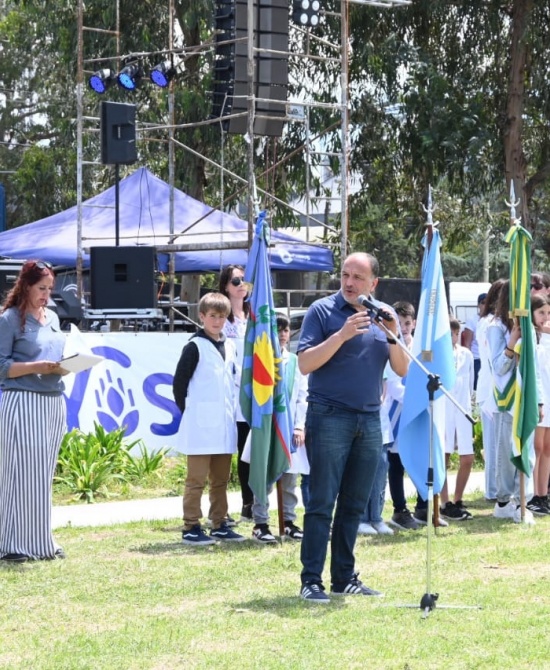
(118, 133)
(123, 278)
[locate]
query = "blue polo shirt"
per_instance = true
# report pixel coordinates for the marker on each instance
(352, 378)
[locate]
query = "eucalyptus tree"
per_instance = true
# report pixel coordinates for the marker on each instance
(457, 98)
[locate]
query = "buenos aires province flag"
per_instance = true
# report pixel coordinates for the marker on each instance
(263, 395)
(432, 345)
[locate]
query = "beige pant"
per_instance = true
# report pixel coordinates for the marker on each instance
(215, 468)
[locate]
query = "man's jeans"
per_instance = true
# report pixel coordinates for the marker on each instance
(343, 449)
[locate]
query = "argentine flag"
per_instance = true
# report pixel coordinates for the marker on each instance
(432, 345)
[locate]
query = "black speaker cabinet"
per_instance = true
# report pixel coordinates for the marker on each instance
(123, 278)
(118, 133)
(67, 306)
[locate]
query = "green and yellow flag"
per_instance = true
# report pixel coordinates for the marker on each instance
(526, 414)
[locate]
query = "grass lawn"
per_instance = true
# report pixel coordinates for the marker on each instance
(133, 597)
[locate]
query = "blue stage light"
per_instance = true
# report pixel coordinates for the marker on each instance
(162, 74)
(101, 80)
(129, 77)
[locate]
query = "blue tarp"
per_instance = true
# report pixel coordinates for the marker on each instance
(144, 220)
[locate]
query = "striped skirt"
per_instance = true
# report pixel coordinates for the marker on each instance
(31, 430)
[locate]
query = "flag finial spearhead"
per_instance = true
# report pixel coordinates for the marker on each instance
(514, 221)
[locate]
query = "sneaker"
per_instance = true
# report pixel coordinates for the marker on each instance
(421, 516)
(381, 528)
(527, 518)
(538, 505)
(246, 514)
(229, 522)
(506, 511)
(366, 529)
(314, 592)
(261, 533)
(225, 534)
(404, 520)
(354, 587)
(460, 503)
(292, 531)
(454, 513)
(196, 536)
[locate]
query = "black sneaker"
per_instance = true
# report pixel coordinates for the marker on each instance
(197, 537)
(421, 515)
(314, 592)
(226, 534)
(261, 533)
(537, 505)
(404, 520)
(292, 531)
(354, 587)
(454, 513)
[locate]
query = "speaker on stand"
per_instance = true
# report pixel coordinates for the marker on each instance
(118, 143)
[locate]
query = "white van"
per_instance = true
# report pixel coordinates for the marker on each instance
(463, 297)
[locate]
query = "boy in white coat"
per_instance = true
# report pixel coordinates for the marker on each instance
(204, 390)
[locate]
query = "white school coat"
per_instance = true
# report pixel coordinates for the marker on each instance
(208, 424)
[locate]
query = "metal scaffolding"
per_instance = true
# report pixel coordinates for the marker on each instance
(342, 107)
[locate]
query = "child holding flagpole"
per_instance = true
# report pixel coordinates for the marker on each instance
(503, 334)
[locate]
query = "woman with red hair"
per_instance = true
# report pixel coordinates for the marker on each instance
(32, 415)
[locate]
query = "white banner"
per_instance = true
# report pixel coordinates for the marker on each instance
(132, 387)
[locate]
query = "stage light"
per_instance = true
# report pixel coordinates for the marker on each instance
(101, 80)
(130, 76)
(162, 74)
(306, 13)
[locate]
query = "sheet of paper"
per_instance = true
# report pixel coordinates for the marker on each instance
(79, 362)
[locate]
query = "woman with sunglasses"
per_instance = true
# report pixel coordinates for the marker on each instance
(232, 285)
(32, 415)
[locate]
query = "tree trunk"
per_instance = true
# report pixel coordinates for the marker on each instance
(516, 163)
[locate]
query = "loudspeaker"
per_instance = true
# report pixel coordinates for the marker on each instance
(67, 306)
(123, 278)
(118, 133)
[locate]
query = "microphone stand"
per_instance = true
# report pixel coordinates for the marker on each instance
(428, 600)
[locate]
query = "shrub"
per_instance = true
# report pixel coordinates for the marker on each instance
(89, 462)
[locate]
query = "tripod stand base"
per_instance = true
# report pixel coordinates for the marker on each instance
(427, 604)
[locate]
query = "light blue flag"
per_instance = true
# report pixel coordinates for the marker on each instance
(433, 347)
(263, 395)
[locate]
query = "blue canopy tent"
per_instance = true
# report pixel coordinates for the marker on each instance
(144, 220)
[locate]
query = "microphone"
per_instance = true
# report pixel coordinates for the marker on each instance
(379, 312)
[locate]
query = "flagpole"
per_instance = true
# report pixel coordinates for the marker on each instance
(433, 500)
(278, 483)
(514, 221)
(428, 601)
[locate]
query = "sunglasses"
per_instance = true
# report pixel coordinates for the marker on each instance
(537, 287)
(237, 281)
(43, 265)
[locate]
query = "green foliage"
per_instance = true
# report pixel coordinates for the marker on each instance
(148, 463)
(84, 467)
(89, 463)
